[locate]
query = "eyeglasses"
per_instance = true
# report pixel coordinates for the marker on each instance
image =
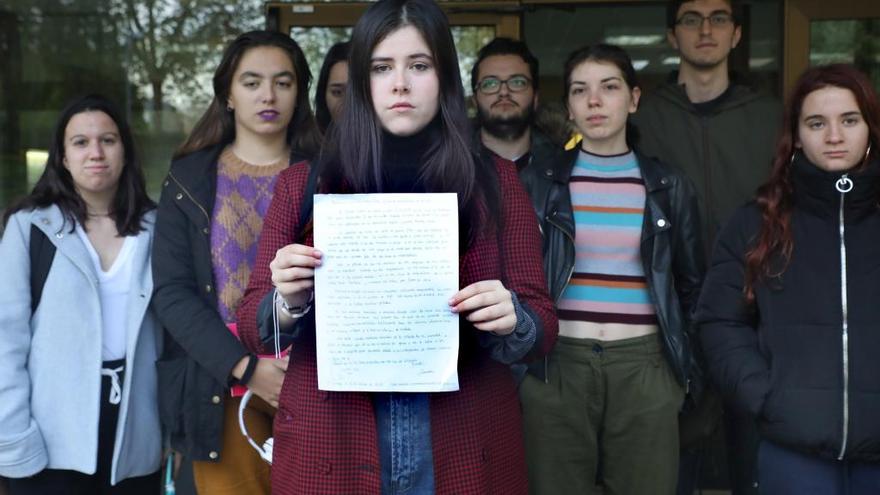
(491, 85)
(693, 20)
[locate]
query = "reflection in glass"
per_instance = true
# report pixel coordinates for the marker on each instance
(854, 42)
(154, 59)
(468, 41)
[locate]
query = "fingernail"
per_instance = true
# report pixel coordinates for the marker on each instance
(317, 253)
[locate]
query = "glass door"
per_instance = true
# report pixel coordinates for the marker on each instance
(822, 32)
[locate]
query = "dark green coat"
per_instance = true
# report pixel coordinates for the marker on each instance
(727, 153)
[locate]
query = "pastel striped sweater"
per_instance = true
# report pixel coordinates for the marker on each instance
(608, 284)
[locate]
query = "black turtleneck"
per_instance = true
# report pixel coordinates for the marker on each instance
(403, 156)
(815, 190)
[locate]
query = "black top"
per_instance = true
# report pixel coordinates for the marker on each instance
(402, 158)
(711, 106)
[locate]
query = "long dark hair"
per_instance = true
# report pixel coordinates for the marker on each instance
(338, 53)
(56, 187)
(217, 124)
(775, 198)
(608, 54)
(352, 159)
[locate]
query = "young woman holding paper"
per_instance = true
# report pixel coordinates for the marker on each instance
(404, 128)
(209, 218)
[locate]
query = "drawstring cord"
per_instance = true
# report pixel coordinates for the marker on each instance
(115, 389)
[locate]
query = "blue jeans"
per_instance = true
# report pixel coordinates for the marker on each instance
(403, 423)
(783, 471)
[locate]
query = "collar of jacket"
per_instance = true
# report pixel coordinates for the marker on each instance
(815, 189)
(58, 229)
(542, 148)
(740, 94)
(196, 175)
(655, 176)
(540, 145)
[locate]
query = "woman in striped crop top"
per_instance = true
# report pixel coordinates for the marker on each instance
(623, 259)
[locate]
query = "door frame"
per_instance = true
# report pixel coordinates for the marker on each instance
(504, 15)
(798, 15)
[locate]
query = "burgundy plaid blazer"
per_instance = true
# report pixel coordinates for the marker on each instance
(326, 442)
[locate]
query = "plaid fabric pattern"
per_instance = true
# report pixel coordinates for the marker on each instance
(326, 442)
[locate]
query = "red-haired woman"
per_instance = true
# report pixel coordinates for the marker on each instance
(789, 311)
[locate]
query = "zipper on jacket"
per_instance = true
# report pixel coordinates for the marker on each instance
(571, 269)
(843, 186)
(707, 180)
(567, 280)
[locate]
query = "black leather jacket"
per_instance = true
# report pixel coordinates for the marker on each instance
(672, 249)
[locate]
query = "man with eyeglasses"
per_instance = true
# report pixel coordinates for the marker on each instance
(721, 133)
(504, 81)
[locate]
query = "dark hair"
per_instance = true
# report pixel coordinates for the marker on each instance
(505, 46)
(672, 7)
(56, 187)
(352, 158)
(603, 53)
(775, 198)
(338, 53)
(217, 124)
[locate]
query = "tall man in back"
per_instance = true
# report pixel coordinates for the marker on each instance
(721, 133)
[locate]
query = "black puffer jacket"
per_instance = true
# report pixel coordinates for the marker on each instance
(804, 357)
(672, 249)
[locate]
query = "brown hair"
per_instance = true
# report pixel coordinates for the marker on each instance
(217, 125)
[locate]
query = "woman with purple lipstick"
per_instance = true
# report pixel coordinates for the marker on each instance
(210, 216)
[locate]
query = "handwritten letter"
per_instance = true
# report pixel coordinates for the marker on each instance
(381, 296)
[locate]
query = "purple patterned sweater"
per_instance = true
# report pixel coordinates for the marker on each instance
(244, 192)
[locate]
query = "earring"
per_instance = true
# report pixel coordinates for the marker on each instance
(867, 153)
(793, 154)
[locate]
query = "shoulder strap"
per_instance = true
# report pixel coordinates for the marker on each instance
(308, 200)
(42, 253)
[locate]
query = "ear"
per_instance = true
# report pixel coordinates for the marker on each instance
(737, 36)
(671, 39)
(535, 102)
(636, 95)
(797, 144)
